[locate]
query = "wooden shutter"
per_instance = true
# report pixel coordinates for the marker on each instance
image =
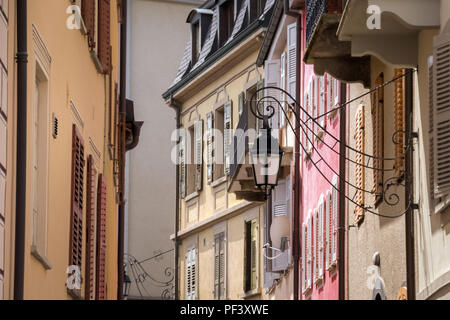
(441, 118)
(321, 95)
(377, 110)
(430, 130)
(336, 93)
(88, 15)
(399, 124)
(292, 60)
(328, 229)
(219, 266)
(210, 145)
(314, 243)
(304, 258)
(104, 34)
(182, 164)
(272, 79)
(334, 221)
(282, 117)
(90, 230)
(280, 208)
(198, 133)
(310, 129)
(227, 134)
(254, 255)
(259, 96)
(101, 239)
(241, 103)
(359, 159)
(315, 106)
(76, 214)
(308, 250)
(321, 236)
(190, 274)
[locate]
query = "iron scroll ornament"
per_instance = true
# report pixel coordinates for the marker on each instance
(390, 197)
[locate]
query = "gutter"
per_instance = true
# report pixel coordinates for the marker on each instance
(21, 178)
(255, 25)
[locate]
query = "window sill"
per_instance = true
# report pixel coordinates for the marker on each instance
(219, 182)
(40, 257)
(191, 196)
(251, 294)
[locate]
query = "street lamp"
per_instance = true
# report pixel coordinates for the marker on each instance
(126, 286)
(266, 157)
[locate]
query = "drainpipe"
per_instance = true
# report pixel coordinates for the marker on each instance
(122, 126)
(21, 178)
(342, 189)
(297, 185)
(174, 105)
(409, 217)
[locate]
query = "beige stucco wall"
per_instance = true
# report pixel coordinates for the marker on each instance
(375, 234)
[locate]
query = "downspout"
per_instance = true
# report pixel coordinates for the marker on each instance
(297, 185)
(122, 148)
(174, 105)
(342, 190)
(409, 195)
(21, 170)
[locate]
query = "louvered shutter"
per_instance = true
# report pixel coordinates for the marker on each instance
(88, 15)
(315, 108)
(282, 119)
(359, 159)
(321, 236)
(399, 123)
(101, 239)
(280, 208)
(303, 128)
(188, 283)
(334, 221)
(210, 145)
(430, 130)
(228, 135)
(259, 96)
(314, 244)
(441, 105)
(328, 229)
(216, 267)
(304, 258)
(198, 154)
(254, 255)
(310, 116)
(90, 231)
(182, 164)
(222, 265)
(377, 109)
(321, 95)
(272, 79)
(104, 34)
(336, 93)
(76, 214)
(241, 103)
(329, 93)
(292, 60)
(308, 250)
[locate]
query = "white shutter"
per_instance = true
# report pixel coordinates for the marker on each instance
(228, 134)
(210, 145)
(198, 133)
(310, 113)
(320, 235)
(304, 258)
(336, 93)
(304, 131)
(321, 95)
(279, 208)
(328, 208)
(314, 244)
(182, 163)
(315, 110)
(430, 130)
(308, 249)
(334, 216)
(292, 60)
(191, 274)
(441, 104)
(283, 86)
(329, 102)
(272, 79)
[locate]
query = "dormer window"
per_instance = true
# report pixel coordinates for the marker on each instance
(200, 20)
(256, 9)
(196, 42)
(226, 22)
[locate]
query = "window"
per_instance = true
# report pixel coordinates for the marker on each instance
(220, 266)
(399, 123)
(359, 170)
(256, 8)
(190, 185)
(226, 14)
(191, 274)
(196, 42)
(251, 255)
(40, 166)
(219, 117)
(378, 139)
(191, 159)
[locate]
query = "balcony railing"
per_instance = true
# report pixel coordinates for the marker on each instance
(315, 9)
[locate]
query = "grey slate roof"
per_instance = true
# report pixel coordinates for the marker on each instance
(185, 65)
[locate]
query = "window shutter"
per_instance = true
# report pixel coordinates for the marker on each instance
(377, 99)
(76, 214)
(282, 119)
(198, 132)
(228, 135)
(259, 96)
(310, 115)
(308, 249)
(182, 163)
(321, 94)
(254, 255)
(272, 79)
(336, 93)
(104, 34)
(315, 108)
(222, 265)
(314, 243)
(430, 130)
(191, 274)
(328, 229)
(334, 221)
(88, 15)
(241, 103)
(441, 105)
(320, 235)
(292, 60)
(359, 170)
(210, 144)
(90, 231)
(279, 208)
(329, 96)
(216, 267)
(101, 239)
(399, 121)
(304, 259)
